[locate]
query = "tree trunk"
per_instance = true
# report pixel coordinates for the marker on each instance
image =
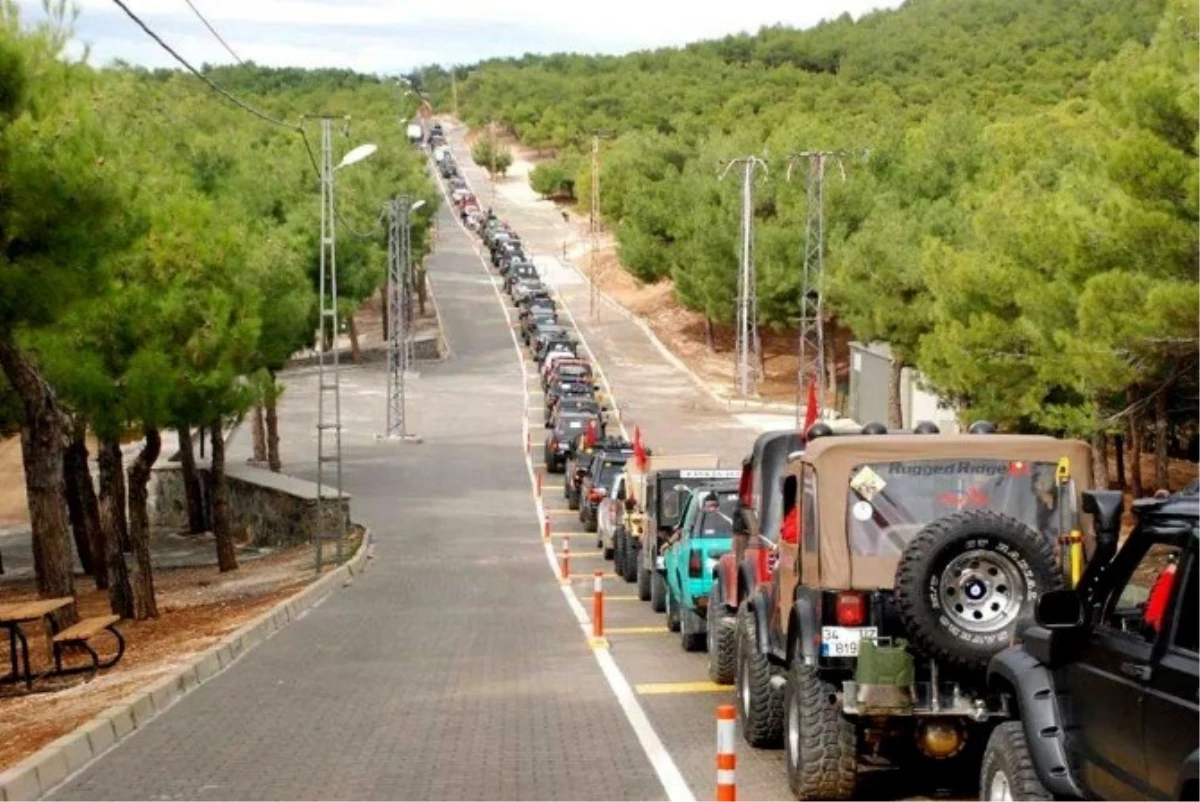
(383, 305)
(895, 404)
(1134, 435)
(78, 481)
(1162, 464)
(191, 482)
(139, 524)
(830, 377)
(422, 290)
(1119, 446)
(258, 432)
(43, 441)
(120, 594)
(352, 330)
(91, 511)
(709, 338)
(226, 557)
(271, 403)
(1100, 459)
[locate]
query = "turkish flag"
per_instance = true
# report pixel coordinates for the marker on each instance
(810, 413)
(639, 450)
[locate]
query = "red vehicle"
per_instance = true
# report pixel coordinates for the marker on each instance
(756, 531)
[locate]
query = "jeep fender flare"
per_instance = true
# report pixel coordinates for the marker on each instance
(804, 627)
(1045, 732)
(759, 607)
(725, 580)
(747, 583)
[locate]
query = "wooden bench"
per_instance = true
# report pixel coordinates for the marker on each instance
(80, 635)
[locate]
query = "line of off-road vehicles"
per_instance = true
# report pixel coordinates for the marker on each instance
(954, 604)
(964, 604)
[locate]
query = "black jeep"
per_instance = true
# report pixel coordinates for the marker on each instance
(1105, 684)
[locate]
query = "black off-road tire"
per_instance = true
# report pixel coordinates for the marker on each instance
(643, 580)
(722, 639)
(760, 707)
(693, 633)
(920, 572)
(619, 551)
(572, 500)
(820, 743)
(629, 566)
(1007, 754)
(658, 591)
(673, 622)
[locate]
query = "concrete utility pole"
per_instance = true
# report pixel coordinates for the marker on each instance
(748, 348)
(454, 93)
(331, 523)
(811, 364)
(400, 317)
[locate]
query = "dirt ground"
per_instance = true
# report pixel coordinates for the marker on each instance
(197, 607)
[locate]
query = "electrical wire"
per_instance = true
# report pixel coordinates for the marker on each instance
(213, 31)
(233, 99)
(211, 84)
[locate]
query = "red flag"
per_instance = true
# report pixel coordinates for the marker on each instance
(810, 413)
(589, 438)
(639, 451)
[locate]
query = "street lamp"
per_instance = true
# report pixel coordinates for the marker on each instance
(329, 421)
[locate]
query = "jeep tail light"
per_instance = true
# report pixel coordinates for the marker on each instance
(695, 564)
(597, 494)
(851, 609)
(763, 557)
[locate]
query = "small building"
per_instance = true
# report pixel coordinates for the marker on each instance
(870, 378)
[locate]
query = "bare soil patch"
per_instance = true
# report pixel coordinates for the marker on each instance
(198, 606)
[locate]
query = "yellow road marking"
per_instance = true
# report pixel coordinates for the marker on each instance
(598, 643)
(608, 598)
(636, 630)
(592, 576)
(651, 688)
(572, 534)
(585, 554)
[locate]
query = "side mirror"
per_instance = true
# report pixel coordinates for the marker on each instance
(1060, 609)
(1105, 506)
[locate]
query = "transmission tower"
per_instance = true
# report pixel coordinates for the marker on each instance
(811, 364)
(331, 525)
(748, 348)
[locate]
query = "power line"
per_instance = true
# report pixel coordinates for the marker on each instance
(211, 84)
(312, 158)
(213, 31)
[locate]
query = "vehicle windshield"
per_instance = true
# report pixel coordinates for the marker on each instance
(609, 469)
(888, 503)
(716, 516)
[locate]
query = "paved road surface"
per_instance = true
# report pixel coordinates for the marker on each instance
(452, 669)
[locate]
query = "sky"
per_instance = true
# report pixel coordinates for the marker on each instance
(393, 36)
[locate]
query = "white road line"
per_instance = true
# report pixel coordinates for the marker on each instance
(672, 780)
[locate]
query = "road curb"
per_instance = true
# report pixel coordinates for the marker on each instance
(57, 761)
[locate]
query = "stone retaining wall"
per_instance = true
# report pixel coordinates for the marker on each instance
(270, 508)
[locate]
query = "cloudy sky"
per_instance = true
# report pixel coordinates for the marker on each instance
(389, 36)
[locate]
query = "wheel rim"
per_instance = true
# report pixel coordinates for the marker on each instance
(999, 788)
(982, 591)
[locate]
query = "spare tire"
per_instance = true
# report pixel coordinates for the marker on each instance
(965, 581)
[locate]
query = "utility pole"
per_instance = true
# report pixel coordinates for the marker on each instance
(492, 154)
(454, 92)
(811, 363)
(748, 348)
(331, 525)
(400, 323)
(593, 227)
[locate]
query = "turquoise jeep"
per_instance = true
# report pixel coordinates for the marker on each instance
(705, 532)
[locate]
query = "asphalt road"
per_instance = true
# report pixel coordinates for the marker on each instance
(452, 669)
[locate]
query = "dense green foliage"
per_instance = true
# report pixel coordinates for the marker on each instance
(1015, 211)
(159, 248)
(492, 156)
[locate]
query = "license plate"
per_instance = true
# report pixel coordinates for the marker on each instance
(843, 641)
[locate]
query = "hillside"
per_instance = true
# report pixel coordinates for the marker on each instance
(1013, 172)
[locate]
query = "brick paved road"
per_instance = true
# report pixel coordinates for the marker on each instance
(452, 669)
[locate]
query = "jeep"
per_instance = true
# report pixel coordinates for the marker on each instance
(916, 557)
(1104, 686)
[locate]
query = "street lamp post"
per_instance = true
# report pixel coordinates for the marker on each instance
(331, 524)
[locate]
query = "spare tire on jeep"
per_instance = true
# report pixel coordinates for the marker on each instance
(965, 580)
